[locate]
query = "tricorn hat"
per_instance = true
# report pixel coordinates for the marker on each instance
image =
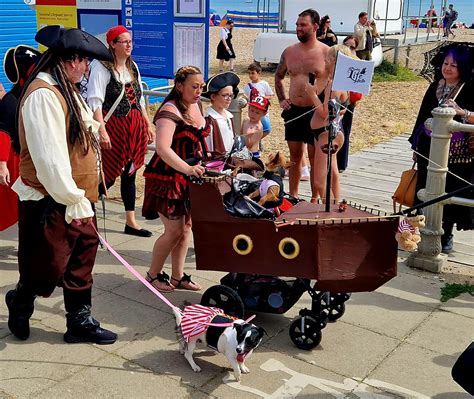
(219, 81)
(72, 41)
(19, 61)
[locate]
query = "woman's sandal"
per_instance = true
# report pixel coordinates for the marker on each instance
(164, 280)
(185, 283)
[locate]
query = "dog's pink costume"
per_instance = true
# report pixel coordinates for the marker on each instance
(196, 318)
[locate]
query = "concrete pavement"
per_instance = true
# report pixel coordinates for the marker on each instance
(399, 341)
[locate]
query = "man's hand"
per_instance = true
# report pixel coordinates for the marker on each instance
(285, 104)
(82, 222)
(4, 174)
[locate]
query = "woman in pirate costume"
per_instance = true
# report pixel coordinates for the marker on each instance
(114, 93)
(18, 64)
(180, 132)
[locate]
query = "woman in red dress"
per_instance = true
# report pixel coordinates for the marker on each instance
(114, 93)
(180, 132)
(18, 64)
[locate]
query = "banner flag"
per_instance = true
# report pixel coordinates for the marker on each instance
(353, 74)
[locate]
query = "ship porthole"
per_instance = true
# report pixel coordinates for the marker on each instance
(289, 248)
(242, 244)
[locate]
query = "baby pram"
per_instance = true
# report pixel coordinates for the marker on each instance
(271, 263)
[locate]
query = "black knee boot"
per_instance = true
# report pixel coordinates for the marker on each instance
(20, 304)
(81, 326)
(447, 239)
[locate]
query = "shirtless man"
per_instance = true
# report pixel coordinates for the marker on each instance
(298, 60)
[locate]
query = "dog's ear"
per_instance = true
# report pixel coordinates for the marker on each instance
(238, 328)
(262, 331)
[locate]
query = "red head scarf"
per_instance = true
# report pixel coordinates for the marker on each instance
(114, 32)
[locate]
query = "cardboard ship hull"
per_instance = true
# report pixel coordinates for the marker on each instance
(351, 251)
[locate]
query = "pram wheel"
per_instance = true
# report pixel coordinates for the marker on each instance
(225, 298)
(305, 332)
(336, 311)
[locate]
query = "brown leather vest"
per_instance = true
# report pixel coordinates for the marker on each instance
(84, 167)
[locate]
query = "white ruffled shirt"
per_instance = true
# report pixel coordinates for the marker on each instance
(99, 78)
(45, 133)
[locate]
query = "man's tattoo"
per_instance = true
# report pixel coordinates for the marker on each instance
(279, 76)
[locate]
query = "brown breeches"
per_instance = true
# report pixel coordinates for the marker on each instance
(51, 252)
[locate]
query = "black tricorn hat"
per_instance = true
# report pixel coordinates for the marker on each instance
(219, 81)
(72, 41)
(18, 61)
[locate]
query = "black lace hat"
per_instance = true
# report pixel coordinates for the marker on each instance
(219, 81)
(19, 61)
(72, 41)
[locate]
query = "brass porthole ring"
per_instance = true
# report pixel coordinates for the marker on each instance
(242, 244)
(289, 248)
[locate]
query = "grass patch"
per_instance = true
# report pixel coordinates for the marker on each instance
(388, 72)
(450, 291)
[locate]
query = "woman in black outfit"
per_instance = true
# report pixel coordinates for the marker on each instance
(324, 32)
(453, 87)
(225, 50)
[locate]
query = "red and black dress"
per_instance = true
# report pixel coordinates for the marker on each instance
(166, 189)
(126, 127)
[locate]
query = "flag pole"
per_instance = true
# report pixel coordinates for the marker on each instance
(333, 108)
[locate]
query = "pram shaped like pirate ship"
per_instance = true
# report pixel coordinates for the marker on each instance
(271, 263)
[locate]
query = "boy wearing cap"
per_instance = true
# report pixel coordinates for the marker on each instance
(58, 187)
(252, 128)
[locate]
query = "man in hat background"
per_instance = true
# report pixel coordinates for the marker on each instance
(18, 64)
(57, 187)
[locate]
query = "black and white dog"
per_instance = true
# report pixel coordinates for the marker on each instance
(235, 339)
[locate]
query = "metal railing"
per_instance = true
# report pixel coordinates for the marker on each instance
(428, 256)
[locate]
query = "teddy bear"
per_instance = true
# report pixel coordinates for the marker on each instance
(408, 233)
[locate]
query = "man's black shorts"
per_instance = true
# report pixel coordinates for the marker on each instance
(298, 129)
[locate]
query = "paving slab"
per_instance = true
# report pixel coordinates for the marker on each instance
(421, 370)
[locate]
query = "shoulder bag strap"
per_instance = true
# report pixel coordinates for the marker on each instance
(115, 104)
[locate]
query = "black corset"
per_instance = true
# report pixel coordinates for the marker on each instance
(113, 90)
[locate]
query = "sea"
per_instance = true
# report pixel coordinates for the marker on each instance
(465, 8)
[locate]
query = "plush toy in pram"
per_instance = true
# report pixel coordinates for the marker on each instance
(408, 234)
(271, 190)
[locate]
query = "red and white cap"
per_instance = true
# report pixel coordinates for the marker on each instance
(259, 102)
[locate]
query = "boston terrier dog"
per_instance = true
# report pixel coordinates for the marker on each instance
(234, 338)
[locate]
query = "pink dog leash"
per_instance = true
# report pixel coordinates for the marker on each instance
(131, 269)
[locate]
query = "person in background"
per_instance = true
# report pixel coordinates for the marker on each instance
(432, 21)
(180, 133)
(450, 15)
(125, 129)
(363, 31)
(352, 42)
(324, 33)
(252, 128)
(225, 50)
(453, 87)
(18, 64)
(221, 89)
(346, 124)
(259, 87)
(57, 187)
